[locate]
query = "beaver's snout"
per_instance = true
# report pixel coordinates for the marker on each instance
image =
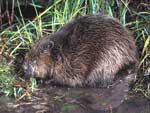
(28, 69)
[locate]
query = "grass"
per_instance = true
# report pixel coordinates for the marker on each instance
(12, 86)
(19, 36)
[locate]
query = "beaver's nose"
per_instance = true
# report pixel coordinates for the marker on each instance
(27, 69)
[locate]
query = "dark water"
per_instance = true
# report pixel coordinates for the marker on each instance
(75, 100)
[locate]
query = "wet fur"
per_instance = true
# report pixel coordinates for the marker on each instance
(88, 51)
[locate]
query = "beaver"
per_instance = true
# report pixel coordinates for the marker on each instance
(92, 50)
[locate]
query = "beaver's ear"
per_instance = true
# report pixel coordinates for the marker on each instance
(56, 55)
(49, 44)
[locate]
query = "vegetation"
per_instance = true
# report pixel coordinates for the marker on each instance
(18, 34)
(10, 85)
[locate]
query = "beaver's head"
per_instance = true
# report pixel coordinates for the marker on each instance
(40, 61)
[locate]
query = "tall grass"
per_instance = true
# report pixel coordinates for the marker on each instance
(23, 33)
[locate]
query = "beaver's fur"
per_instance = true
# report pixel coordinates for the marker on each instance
(88, 50)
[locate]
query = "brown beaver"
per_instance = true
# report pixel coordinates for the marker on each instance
(90, 50)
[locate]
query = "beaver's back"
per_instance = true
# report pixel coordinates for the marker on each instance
(96, 48)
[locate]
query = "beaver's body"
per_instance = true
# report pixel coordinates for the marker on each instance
(86, 51)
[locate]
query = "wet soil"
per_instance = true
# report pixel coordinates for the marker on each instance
(74, 100)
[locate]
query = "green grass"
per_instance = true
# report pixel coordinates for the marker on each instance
(20, 36)
(12, 86)
(6, 81)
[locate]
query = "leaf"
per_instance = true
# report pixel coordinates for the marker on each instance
(147, 42)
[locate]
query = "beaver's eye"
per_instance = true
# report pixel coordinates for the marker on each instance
(56, 55)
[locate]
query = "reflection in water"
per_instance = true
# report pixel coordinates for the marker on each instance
(75, 100)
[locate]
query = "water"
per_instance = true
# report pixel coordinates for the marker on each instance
(74, 100)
